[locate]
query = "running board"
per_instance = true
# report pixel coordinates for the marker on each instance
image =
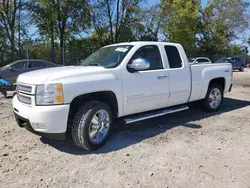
(153, 114)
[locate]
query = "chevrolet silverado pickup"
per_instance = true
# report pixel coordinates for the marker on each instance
(128, 82)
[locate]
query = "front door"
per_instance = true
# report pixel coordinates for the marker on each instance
(149, 89)
(237, 62)
(234, 64)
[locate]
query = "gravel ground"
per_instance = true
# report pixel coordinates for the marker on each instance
(186, 149)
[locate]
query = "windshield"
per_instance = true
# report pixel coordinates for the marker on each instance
(4, 67)
(107, 57)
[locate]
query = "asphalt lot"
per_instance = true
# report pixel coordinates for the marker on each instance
(186, 149)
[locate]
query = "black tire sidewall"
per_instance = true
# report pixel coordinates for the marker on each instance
(84, 125)
(4, 94)
(242, 68)
(206, 100)
(101, 106)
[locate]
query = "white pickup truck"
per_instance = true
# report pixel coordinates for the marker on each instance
(128, 81)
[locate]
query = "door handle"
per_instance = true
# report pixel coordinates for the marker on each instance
(162, 77)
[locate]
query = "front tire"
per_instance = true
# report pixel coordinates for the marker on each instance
(4, 94)
(92, 125)
(213, 99)
(241, 68)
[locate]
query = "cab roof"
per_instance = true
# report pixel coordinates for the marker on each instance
(134, 43)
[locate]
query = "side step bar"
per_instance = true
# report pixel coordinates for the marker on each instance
(153, 114)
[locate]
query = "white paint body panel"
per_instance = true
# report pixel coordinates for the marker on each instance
(202, 74)
(135, 92)
(142, 90)
(54, 118)
(180, 80)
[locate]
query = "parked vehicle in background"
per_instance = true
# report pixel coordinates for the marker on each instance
(128, 81)
(11, 71)
(196, 60)
(237, 62)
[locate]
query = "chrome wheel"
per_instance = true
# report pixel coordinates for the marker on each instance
(99, 126)
(214, 98)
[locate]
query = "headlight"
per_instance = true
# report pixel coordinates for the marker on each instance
(49, 94)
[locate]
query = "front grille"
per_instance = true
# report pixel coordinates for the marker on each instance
(25, 93)
(24, 88)
(24, 99)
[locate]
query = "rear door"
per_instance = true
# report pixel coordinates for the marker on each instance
(238, 62)
(180, 76)
(149, 89)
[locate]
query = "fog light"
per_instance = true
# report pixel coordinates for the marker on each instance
(38, 125)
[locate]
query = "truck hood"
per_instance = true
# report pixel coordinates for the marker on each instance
(50, 74)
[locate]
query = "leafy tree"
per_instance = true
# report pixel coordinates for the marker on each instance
(3, 46)
(76, 28)
(150, 23)
(9, 10)
(115, 17)
(70, 14)
(79, 49)
(44, 14)
(60, 18)
(180, 19)
(220, 23)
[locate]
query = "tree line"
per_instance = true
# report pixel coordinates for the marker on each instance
(66, 31)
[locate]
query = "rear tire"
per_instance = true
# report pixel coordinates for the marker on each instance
(91, 121)
(241, 69)
(213, 99)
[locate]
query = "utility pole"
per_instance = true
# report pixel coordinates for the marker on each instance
(27, 51)
(63, 56)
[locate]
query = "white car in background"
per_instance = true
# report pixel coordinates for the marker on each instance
(199, 60)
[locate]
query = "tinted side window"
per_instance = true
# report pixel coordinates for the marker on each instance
(174, 57)
(237, 59)
(19, 65)
(49, 65)
(233, 60)
(36, 64)
(152, 54)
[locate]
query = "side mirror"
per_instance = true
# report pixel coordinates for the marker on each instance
(139, 65)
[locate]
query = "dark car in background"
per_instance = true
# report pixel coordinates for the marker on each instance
(11, 71)
(237, 62)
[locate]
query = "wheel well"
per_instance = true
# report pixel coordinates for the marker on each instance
(104, 96)
(219, 81)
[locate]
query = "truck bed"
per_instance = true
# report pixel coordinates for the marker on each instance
(201, 75)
